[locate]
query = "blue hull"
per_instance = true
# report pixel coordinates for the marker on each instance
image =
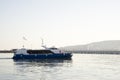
(43, 56)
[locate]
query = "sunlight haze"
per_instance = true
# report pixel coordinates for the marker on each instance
(59, 22)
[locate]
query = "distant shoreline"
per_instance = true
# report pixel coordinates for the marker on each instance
(95, 52)
(77, 51)
(6, 51)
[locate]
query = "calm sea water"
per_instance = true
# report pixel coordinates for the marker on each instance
(81, 67)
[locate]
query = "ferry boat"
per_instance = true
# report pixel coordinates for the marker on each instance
(47, 53)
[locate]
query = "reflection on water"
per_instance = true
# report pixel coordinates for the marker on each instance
(43, 62)
(81, 67)
(41, 69)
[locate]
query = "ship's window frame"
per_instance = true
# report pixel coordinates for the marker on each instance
(39, 51)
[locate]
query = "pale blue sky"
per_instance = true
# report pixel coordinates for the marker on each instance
(59, 22)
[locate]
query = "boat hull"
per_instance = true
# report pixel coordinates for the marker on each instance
(43, 56)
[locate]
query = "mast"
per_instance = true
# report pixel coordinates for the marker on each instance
(44, 46)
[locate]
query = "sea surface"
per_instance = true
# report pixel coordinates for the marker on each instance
(80, 67)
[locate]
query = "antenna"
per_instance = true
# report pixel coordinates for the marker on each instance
(24, 39)
(42, 44)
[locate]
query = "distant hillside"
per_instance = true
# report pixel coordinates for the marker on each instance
(111, 45)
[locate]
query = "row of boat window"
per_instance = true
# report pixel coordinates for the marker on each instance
(39, 51)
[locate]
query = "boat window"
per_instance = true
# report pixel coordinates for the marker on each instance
(53, 48)
(39, 51)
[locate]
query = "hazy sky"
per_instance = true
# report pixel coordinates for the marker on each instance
(58, 22)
